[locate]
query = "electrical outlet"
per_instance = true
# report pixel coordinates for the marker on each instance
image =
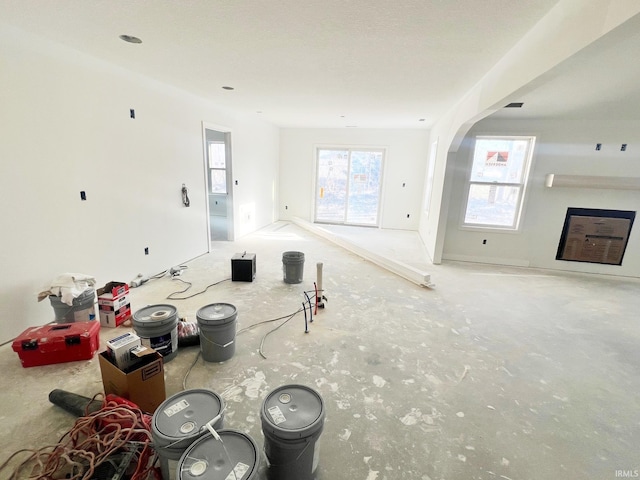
(484, 242)
(83, 195)
(146, 250)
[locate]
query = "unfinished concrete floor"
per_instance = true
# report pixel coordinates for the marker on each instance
(496, 373)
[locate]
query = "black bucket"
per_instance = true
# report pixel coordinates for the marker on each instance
(235, 457)
(293, 267)
(292, 420)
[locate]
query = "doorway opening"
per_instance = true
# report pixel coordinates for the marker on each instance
(218, 179)
(348, 186)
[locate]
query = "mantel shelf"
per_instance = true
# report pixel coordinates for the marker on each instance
(590, 181)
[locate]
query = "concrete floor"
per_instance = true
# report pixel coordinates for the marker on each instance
(496, 373)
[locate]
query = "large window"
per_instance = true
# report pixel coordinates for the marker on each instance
(348, 186)
(497, 182)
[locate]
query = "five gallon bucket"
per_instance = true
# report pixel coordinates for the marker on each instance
(182, 419)
(217, 325)
(292, 420)
(157, 327)
(236, 457)
(82, 310)
(293, 266)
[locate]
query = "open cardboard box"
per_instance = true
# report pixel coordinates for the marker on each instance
(143, 384)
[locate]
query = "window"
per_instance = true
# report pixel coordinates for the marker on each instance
(217, 167)
(348, 183)
(497, 182)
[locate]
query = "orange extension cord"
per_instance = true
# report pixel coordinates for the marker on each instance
(91, 441)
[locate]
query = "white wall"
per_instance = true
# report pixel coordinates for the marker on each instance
(562, 147)
(65, 128)
(405, 162)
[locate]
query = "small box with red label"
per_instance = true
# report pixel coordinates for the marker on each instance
(57, 343)
(113, 304)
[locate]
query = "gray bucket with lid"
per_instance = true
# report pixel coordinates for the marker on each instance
(82, 309)
(157, 327)
(181, 419)
(237, 457)
(217, 325)
(292, 419)
(293, 267)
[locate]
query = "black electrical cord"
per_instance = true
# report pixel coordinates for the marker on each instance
(171, 295)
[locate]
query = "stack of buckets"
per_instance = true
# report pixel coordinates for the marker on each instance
(189, 428)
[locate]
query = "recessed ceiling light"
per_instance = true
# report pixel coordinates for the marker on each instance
(228, 88)
(422, 120)
(130, 39)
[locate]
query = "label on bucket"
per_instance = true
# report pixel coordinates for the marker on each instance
(165, 345)
(85, 315)
(276, 415)
(175, 408)
(238, 472)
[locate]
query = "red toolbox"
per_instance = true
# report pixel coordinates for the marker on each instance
(58, 343)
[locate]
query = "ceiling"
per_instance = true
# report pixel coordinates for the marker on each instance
(306, 63)
(602, 81)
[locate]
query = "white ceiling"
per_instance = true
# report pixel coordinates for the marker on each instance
(302, 63)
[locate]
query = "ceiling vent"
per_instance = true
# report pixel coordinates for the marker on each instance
(514, 105)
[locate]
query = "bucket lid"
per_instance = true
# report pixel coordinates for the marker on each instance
(293, 255)
(292, 411)
(216, 314)
(155, 315)
(209, 459)
(183, 415)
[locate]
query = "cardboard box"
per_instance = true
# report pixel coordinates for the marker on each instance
(114, 307)
(143, 385)
(58, 343)
(119, 350)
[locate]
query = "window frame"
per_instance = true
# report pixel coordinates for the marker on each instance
(349, 149)
(211, 169)
(522, 186)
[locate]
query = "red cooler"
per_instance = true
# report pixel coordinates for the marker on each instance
(58, 343)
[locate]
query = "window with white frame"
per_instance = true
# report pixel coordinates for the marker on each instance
(217, 167)
(498, 181)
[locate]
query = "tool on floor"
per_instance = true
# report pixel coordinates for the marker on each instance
(73, 403)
